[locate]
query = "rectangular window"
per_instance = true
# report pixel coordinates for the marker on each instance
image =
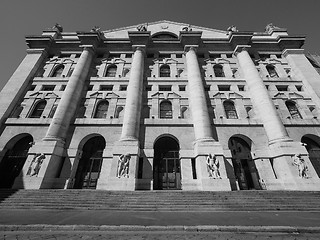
(164, 55)
(241, 87)
(165, 88)
(148, 88)
(224, 87)
(106, 87)
(299, 88)
(213, 56)
(114, 55)
(193, 166)
(63, 87)
(32, 87)
(128, 55)
(200, 55)
(267, 87)
(140, 168)
(90, 87)
(178, 55)
(264, 56)
(278, 55)
(123, 88)
(229, 55)
(282, 88)
(182, 88)
(48, 87)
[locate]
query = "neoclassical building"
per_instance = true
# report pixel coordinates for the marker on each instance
(162, 106)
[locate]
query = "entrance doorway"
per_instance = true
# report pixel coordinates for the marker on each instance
(313, 149)
(13, 161)
(244, 167)
(89, 167)
(166, 168)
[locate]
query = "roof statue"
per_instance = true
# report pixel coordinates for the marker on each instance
(58, 27)
(142, 27)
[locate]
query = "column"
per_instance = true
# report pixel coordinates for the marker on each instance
(260, 98)
(132, 111)
(197, 99)
(70, 98)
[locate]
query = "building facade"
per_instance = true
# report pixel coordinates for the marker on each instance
(162, 106)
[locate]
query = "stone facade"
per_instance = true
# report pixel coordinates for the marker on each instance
(162, 106)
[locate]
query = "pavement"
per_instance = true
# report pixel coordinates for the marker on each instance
(102, 224)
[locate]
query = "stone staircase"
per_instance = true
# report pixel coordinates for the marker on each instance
(160, 200)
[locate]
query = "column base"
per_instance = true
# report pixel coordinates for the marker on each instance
(27, 182)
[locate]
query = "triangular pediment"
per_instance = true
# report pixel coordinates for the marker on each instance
(165, 61)
(51, 95)
(295, 96)
(172, 95)
(111, 95)
(113, 60)
(157, 95)
(235, 95)
(281, 95)
(219, 95)
(165, 27)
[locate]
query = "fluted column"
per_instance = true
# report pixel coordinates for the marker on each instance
(132, 112)
(70, 98)
(197, 99)
(260, 98)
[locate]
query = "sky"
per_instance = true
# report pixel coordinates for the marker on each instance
(19, 18)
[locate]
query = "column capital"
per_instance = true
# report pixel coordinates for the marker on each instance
(90, 48)
(37, 51)
(240, 48)
(139, 47)
(187, 48)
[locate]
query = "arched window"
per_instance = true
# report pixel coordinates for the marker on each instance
(218, 70)
(272, 71)
(293, 110)
(57, 72)
(165, 71)
(38, 109)
(101, 109)
(230, 110)
(111, 71)
(165, 109)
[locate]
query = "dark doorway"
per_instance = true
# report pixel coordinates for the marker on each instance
(166, 169)
(244, 167)
(13, 161)
(313, 149)
(89, 167)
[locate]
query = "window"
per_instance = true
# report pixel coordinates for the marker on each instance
(47, 87)
(90, 87)
(299, 88)
(32, 87)
(229, 55)
(278, 55)
(63, 87)
(241, 87)
(249, 111)
(182, 88)
(193, 167)
(178, 55)
(165, 71)
(38, 109)
(165, 109)
(184, 112)
(52, 112)
(106, 88)
(164, 55)
(165, 88)
(123, 88)
(264, 56)
(293, 110)
(57, 72)
(213, 56)
(128, 55)
(114, 55)
(230, 110)
(218, 70)
(119, 111)
(272, 71)
(224, 87)
(148, 88)
(282, 88)
(111, 71)
(101, 109)
(125, 72)
(70, 72)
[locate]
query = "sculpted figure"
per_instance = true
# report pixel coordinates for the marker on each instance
(300, 163)
(187, 29)
(142, 28)
(58, 27)
(232, 29)
(213, 166)
(96, 29)
(123, 165)
(35, 164)
(271, 27)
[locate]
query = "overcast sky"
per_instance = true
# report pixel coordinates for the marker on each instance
(29, 17)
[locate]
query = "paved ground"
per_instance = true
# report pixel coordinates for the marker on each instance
(81, 224)
(155, 235)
